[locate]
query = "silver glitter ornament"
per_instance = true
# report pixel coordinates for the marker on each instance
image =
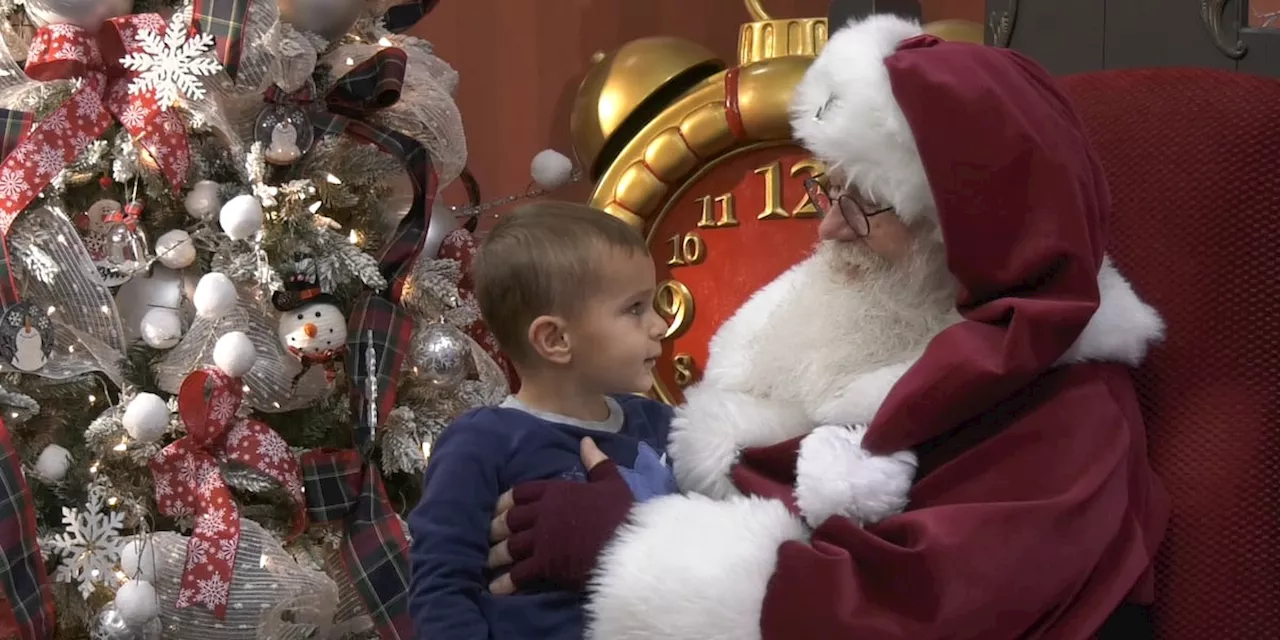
(86, 14)
(110, 625)
(331, 19)
(441, 355)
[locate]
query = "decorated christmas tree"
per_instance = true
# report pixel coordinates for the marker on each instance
(234, 317)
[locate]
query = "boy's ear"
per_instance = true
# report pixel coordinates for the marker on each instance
(550, 340)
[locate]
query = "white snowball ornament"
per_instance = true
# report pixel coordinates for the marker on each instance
(215, 296)
(551, 169)
(161, 328)
(53, 463)
(241, 217)
(146, 418)
(138, 560)
(234, 354)
(137, 602)
(175, 249)
(202, 201)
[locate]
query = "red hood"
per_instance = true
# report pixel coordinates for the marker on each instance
(1022, 205)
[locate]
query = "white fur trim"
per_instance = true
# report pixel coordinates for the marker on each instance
(1122, 329)
(713, 425)
(861, 399)
(688, 567)
(836, 476)
(862, 133)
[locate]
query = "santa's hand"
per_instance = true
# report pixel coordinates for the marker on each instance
(835, 476)
(551, 531)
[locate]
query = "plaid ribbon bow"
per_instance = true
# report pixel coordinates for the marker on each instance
(224, 20)
(341, 485)
(188, 481)
(402, 17)
(26, 597)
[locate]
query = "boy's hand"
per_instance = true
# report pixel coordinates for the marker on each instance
(552, 530)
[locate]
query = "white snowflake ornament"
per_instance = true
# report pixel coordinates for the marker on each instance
(171, 65)
(90, 546)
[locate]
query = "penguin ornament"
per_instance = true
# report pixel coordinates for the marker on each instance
(26, 337)
(311, 326)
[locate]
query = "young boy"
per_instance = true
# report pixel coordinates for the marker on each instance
(568, 292)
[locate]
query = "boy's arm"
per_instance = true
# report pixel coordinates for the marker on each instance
(450, 529)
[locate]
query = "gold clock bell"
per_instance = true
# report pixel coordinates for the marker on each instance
(700, 157)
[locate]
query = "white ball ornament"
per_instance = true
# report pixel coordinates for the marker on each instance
(53, 463)
(215, 296)
(241, 217)
(146, 418)
(551, 169)
(137, 603)
(234, 354)
(138, 560)
(161, 328)
(175, 249)
(202, 201)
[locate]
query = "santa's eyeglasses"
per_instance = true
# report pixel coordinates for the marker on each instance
(855, 211)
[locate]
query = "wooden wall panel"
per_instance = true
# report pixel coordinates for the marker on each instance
(520, 62)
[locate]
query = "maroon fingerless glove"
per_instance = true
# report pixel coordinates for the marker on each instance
(559, 527)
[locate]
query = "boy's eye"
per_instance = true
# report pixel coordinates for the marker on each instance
(636, 309)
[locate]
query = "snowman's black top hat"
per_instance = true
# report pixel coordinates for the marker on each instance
(299, 290)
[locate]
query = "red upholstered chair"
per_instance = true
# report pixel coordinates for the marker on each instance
(1193, 161)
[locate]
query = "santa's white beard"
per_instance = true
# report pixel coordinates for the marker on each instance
(852, 312)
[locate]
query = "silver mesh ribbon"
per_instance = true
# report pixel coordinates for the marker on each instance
(272, 597)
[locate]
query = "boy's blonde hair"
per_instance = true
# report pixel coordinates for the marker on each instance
(543, 259)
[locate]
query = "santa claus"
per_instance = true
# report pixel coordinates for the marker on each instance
(945, 442)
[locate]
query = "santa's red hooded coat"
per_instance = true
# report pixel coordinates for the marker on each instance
(1033, 512)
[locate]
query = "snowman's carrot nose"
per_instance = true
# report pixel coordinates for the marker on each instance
(310, 330)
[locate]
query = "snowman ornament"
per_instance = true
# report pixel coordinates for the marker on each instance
(311, 326)
(26, 337)
(284, 145)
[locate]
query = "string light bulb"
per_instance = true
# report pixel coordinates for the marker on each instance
(123, 446)
(426, 449)
(354, 237)
(385, 41)
(332, 179)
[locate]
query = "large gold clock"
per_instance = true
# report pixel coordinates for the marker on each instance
(700, 158)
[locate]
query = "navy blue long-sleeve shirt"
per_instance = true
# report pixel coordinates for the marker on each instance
(483, 454)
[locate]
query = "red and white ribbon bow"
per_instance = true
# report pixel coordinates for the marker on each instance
(189, 481)
(62, 51)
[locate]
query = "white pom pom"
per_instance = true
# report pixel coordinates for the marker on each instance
(175, 250)
(146, 418)
(138, 560)
(161, 328)
(215, 296)
(53, 463)
(234, 354)
(137, 603)
(551, 169)
(241, 217)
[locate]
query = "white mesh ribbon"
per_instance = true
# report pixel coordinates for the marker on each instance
(270, 382)
(55, 274)
(271, 596)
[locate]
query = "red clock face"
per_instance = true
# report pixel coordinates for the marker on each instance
(731, 229)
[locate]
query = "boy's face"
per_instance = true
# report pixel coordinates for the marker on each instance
(616, 337)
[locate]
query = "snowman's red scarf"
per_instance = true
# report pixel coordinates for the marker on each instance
(327, 359)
